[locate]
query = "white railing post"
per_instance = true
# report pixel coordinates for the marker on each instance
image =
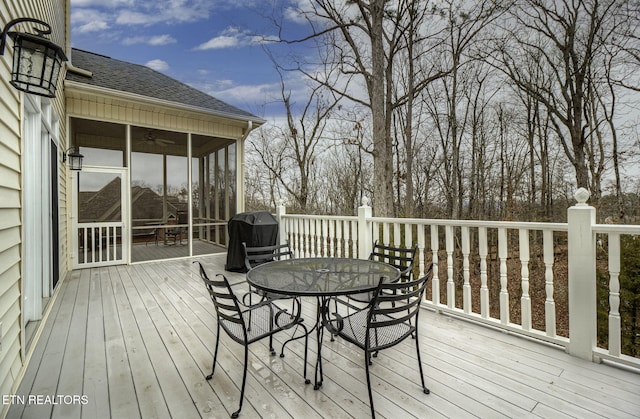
(281, 211)
(582, 277)
(364, 229)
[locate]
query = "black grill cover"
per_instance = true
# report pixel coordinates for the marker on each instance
(258, 228)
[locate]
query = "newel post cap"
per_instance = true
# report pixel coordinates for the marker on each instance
(581, 195)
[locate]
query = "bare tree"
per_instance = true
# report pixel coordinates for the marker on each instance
(363, 40)
(564, 38)
(289, 152)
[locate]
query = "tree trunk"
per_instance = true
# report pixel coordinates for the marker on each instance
(382, 145)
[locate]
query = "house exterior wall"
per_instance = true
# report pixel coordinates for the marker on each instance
(12, 351)
(92, 105)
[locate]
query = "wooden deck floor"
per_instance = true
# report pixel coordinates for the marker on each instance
(137, 341)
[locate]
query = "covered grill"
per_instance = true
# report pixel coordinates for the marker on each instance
(259, 228)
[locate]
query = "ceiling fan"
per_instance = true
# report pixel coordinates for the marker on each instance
(151, 139)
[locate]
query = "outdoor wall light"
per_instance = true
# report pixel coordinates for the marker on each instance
(36, 60)
(74, 157)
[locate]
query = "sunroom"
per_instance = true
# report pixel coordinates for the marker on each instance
(162, 165)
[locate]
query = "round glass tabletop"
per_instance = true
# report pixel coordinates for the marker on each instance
(321, 276)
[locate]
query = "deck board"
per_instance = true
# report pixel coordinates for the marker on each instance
(138, 340)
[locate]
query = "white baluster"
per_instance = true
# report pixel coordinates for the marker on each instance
(327, 237)
(386, 234)
(307, 236)
(614, 295)
(421, 252)
(296, 236)
(338, 238)
(354, 238)
(466, 288)
(86, 244)
(317, 226)
(525, 300)
(312, 237)
(107, 240)
(484, 290)
(346, 233)
(408, 236)
(435, 281)
(504, 293)
(549, 303)
(396, 235)
(99, 244)
(451, 286)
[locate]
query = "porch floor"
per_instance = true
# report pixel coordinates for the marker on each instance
(137, 341)
(141, 252)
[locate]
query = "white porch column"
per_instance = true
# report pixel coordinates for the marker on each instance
(281, 210)
(582, 277)
(364, 229)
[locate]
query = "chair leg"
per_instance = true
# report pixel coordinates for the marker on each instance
(306, 346)
(244, 381)
(425, 390)
(305, 335)
(271, 350)
(292, 338)
(367, 356)
(215, 354)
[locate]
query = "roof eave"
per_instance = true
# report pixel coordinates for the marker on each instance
(74, 85)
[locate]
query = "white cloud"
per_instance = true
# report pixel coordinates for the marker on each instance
(89, 20)
(104, 3)
(233, 37)
(158, 65)
(219, 42)
(128, 17)
(165, 11)
(95, 26)
(150, 40)
(225, 89)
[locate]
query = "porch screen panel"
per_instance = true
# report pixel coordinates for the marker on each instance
(99, 217)
(159, 194)
(213, 197)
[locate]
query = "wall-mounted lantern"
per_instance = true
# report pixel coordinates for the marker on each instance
(74, 157)
(36, 60)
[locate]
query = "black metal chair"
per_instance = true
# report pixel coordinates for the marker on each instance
(401, 257)
(254, 256)
(266, 319)
(176, 233)
(390, 318)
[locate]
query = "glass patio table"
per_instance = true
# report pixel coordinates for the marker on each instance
(321, 278)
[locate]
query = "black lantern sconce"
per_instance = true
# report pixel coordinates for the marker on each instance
(36, 60)
(74, 157)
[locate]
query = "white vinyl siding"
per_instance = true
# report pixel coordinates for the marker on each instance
(103, 108)
(12, 351)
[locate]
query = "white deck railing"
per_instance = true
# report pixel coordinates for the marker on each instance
(483, 270)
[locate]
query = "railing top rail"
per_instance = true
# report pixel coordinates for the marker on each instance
(101, 224)
(616, 228)
(324, 217)
(476, 223)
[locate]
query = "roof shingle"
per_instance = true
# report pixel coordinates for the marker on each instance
(122, 76)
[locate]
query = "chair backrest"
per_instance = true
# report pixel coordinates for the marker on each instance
(400, 257)
(396, 303)
(254, 256)
(224, 300)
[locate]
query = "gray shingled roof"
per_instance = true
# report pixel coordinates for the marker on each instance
(122, 76)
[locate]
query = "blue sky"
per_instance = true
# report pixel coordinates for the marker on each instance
(212, 45)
